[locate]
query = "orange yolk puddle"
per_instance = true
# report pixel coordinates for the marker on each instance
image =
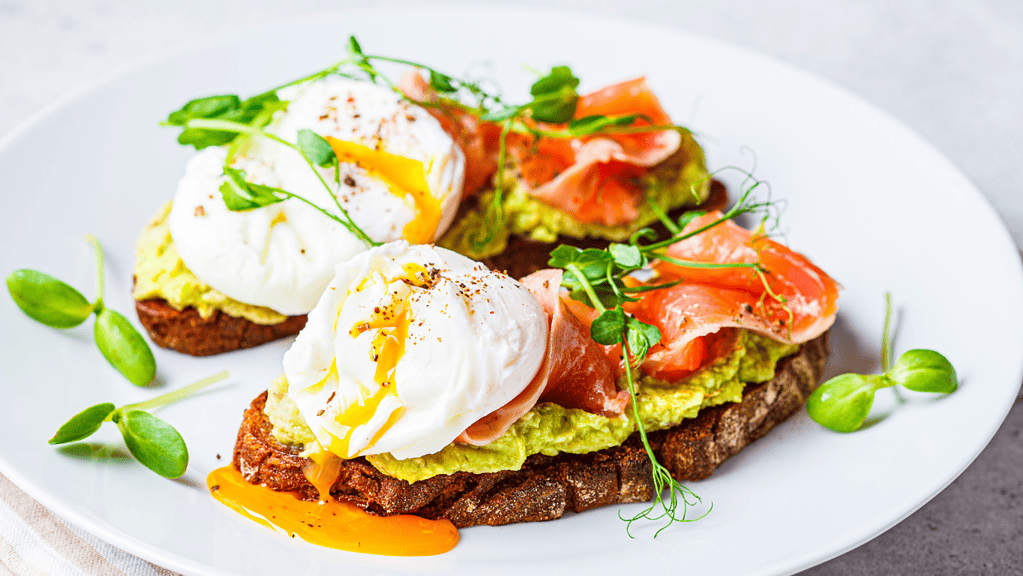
(404, 177)
(332, 524)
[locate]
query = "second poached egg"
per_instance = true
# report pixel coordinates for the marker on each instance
(400, 176)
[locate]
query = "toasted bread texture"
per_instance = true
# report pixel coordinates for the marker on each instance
(546, 486)
(188, 332)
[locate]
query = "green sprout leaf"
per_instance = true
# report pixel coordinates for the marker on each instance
(925, 371)
(441, 82)
(123, 346)
(605, 297)
(315, 148)
(554, 96)
(641, 337)
(353, 47)
(559, 78)
(607, 328)
(842, 403)
(626, 256)
(596, 124)
(83, 424)
(47, 300)
(501, 114)
(208, 107)
(555, 108)
(153, 442)
(240, 195)
(257, 111)
(591, 261)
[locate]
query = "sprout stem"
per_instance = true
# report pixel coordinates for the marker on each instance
(177, 395)
(587, 287)
(98, 304)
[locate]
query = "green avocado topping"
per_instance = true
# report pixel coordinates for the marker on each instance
(681, 180)
(549, 428)
(160, 273)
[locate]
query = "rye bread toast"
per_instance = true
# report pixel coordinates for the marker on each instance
(546, 486)
(188, 332)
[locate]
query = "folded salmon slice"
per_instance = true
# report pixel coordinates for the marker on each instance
(575, 374)
(699, 320)
(810, 296)
(801, 304)
(594, 178)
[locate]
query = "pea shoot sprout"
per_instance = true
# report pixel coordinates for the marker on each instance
(843, 402)
(54, 303)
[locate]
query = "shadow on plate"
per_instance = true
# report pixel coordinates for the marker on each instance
(94, 451)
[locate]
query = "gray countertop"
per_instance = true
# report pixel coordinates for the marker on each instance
(951, 70)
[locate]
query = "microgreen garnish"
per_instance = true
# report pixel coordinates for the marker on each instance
(153, 442)
(56, 304)
(256, 112)
(241, 195)
(230, 120)
(597, 278)
(843, 402)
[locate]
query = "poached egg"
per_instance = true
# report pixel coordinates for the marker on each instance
(409, 346)
(399, 176)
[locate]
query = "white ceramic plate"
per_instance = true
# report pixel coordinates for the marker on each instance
(867, 199)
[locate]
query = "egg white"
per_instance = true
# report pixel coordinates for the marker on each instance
(476, 339)
(282, 256)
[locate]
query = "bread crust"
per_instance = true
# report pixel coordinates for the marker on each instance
(547, 486)
(188, 332)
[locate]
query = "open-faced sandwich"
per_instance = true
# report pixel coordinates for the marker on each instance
(427, 385)
(215, 274)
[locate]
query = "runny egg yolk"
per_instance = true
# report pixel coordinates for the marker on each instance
(404, 177)
(331, 523)
(391, 321)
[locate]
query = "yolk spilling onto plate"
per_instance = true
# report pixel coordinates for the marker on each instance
(404, 177)
(332, 524)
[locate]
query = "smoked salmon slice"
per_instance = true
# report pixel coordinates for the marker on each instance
(809, 296)
(594, 178)
(801, 304)
(699, 319)
(575, 373)
(479, 141)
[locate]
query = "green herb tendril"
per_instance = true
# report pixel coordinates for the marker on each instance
(152, 441)
(55, 303)
(843, 402)
(597, 278)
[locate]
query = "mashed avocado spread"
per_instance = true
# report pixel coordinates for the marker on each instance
(160, 273)
(681, 180)
(550, 429)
